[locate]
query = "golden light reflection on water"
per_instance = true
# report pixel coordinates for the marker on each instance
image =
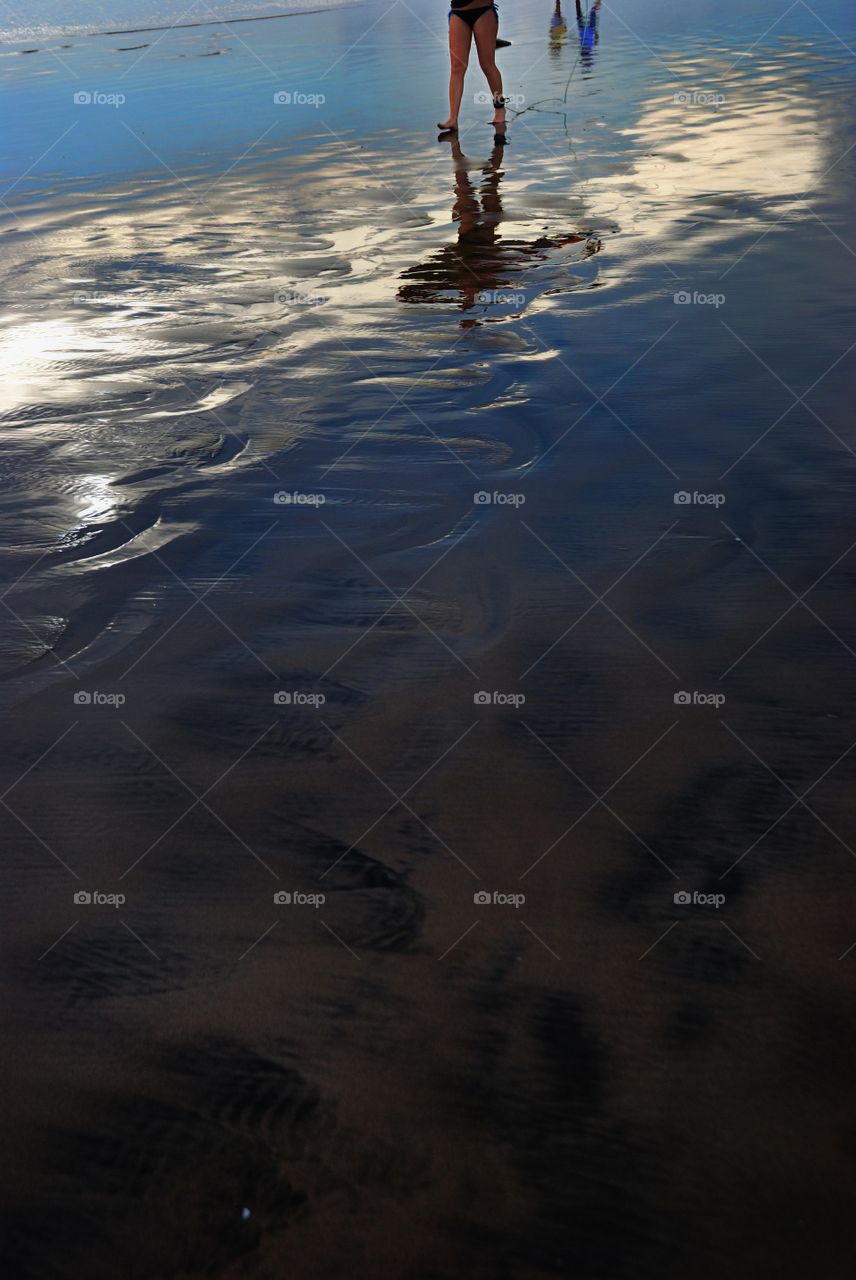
(158, 294)
(62, 360)
(94, 498)
(725, 164)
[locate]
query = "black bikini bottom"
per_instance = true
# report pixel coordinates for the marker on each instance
(471, 16)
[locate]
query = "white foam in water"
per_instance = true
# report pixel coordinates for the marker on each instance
(53, 18)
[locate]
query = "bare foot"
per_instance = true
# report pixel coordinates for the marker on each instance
(448, 125)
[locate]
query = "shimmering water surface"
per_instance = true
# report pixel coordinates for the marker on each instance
(401, 522)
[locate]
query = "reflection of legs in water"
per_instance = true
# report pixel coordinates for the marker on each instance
(588, 32)
(558, 28)
(477, 212)
(466, 209)
(473, 262)
(478, 215)
(491, 202)
(480, 263)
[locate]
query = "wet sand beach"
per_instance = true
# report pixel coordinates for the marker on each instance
(429, 646)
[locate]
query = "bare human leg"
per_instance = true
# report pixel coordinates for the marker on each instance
(460, 39)
(485, 31)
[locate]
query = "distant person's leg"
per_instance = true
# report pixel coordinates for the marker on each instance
(460, 39)
(485, 31)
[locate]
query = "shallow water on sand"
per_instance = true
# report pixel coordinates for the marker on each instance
(403, 522)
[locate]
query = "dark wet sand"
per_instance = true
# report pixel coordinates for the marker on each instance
(598, 1082)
